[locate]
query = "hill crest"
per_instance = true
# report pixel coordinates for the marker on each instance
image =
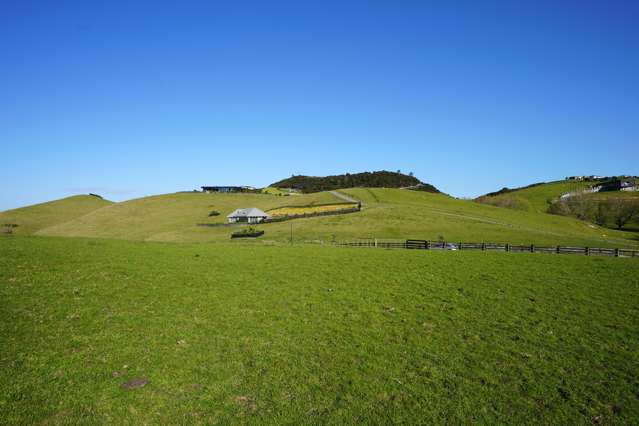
(377, 179)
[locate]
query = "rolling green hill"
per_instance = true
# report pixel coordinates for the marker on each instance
(534, 198)
(387, 213)
(537, 197)
(39, 216)
(170, 217)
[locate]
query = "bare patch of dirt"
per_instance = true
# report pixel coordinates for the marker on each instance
(247, 402)
(135, 383)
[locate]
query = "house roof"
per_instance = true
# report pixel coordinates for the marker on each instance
(249, 212)
(226, 186)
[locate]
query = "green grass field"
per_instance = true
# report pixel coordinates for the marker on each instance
(387, 213)
(254, 334)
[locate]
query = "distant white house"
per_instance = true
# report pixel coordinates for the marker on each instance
(250, 215)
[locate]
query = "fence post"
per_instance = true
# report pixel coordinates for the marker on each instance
(558, 250)
(375, 242)
(507, 247)
(616, 252)
(532, 248)
(427, 244)
(587, 251)
(460, 245)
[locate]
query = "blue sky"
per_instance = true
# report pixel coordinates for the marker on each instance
(135, 98)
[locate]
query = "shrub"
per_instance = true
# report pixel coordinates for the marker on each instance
(559, 208)
(9, 227)
(249, 232)
(214, 213)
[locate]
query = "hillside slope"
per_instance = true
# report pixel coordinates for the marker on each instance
(533, 198)
(168, 216)
(39, 216)
(387, 213)
(381, 179)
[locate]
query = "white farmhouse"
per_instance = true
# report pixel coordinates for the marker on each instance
(250, 215)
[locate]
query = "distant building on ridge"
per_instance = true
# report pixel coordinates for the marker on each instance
(227, 189)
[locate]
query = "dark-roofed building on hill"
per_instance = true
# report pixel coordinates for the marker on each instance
(616, 185)
(250, 215)
(227, 189)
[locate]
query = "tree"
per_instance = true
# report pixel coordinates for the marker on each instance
(559, 208)
(579, 206)
(601, 214)
(623, 212)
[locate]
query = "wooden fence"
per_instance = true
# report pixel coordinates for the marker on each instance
(505, 247)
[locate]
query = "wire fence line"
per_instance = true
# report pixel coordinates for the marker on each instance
(414, 244)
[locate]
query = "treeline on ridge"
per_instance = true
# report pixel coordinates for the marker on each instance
(379, 179)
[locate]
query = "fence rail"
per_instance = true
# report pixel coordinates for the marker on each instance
(528, 248)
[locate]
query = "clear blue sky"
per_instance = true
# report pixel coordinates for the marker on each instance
(131, 98)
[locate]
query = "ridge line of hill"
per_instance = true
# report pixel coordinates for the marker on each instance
(377, 179)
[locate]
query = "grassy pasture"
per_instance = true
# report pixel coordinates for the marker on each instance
(401, 213)
(319, 208)
(39, 216)
(166, 217)
(387, 213)
(257, 334)
(277, 191)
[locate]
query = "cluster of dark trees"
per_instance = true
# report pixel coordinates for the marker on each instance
(381, 179)
(603, 212)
